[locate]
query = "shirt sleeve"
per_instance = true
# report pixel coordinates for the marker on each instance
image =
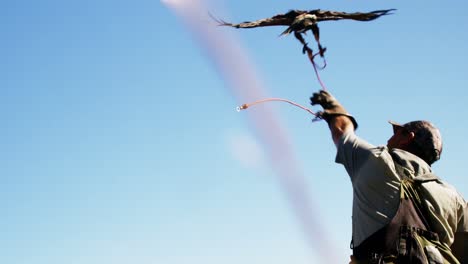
(353, 152)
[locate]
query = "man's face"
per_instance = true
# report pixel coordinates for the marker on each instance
(400, 139)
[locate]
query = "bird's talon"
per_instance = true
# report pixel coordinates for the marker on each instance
(322, 50)
(305, 49)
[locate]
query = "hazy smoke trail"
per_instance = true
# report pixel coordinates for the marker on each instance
(237, 71)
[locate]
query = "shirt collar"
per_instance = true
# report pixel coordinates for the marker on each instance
(414, 164)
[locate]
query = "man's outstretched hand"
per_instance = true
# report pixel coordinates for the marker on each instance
(331, 106)
(328, 102)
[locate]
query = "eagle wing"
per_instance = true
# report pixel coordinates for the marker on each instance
(287, 19)
(323, 15)
(277, 20)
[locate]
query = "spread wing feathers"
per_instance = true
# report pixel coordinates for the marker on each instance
(333, 15)
(278, 20)
(292, 16)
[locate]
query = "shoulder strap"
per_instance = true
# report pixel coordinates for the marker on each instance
(428, 177)
(410, 189)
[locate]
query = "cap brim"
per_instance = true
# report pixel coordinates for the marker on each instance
(396, 126)
(393, 123)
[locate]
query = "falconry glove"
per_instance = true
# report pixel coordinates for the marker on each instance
(331, 107)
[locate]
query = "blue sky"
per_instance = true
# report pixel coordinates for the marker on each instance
(121, 142)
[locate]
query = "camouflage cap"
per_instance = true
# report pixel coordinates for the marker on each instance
(426, 137)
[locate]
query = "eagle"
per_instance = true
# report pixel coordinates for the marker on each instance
(300, 21)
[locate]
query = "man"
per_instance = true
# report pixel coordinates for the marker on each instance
(376, 174)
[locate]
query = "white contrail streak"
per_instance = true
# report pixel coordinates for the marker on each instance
(237, 71)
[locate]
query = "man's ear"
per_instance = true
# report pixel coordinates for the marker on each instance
(409, 138)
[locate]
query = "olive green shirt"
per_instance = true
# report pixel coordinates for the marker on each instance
(376, 189)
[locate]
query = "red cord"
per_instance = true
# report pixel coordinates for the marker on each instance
(245, 106)
(311, 58)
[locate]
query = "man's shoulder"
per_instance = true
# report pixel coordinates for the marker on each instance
(450, 189)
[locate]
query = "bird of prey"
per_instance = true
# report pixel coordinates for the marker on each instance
(299, 22)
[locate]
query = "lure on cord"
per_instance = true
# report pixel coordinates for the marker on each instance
(245, 106)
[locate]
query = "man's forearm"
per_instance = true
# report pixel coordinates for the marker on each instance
(339, 125)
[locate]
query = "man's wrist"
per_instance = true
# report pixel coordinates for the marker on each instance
(329, 116)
